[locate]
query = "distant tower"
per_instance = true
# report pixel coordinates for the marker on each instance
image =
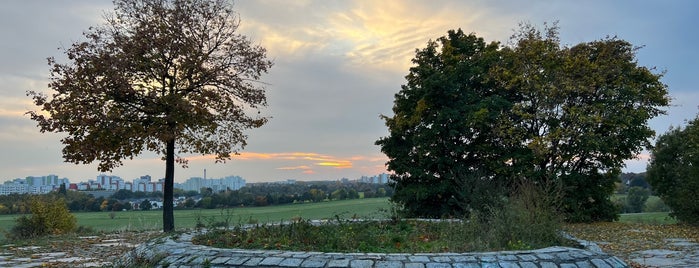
(204, 173)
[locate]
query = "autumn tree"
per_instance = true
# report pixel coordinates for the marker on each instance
(475, 117)
(673, 171)
(169, 76)
(580, 112)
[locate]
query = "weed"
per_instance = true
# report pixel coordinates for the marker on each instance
(142, 261)
(85, 230)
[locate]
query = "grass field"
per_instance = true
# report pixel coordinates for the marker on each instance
(647, 218)
(361, 208)
(152, 220)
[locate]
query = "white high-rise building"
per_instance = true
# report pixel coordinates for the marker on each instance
(222, 184)
(33, 185)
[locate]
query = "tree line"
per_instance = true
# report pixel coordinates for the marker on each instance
(266, 194)
(260, 194)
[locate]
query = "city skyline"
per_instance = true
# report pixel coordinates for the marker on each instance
(100, 177)
(102, 182)
(337, 66)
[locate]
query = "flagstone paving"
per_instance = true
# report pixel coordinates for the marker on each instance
(178, 251)
(684, 254)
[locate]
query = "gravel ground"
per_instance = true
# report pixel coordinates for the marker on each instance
(644, 245)
(72, 251)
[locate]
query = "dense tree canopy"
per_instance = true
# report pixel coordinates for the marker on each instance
(169, 76)
(475, 117)
(673, 171)
(441, 136)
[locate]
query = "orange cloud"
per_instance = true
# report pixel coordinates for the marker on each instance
(338, 164)
(294, 168)
(305, 169)
(315, 159)
(305, 162)
(253, 156)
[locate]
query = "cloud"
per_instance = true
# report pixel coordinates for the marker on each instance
(338, 164)
(379, 35)
(295, 168)
(299, 160)
(314, 159)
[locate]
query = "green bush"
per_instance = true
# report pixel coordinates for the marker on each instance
(655, 204)
(49, 215)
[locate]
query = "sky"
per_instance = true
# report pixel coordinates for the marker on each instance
(337, 66)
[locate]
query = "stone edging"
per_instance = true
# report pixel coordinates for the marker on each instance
(179, 251)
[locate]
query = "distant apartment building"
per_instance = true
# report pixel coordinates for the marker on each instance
(115, 183)
(288, 181)
(377, 179)
(33, 185)
(222, 184)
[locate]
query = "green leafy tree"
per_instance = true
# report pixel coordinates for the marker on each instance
(473, 119)
(145, 205)
(168, 76)
(673, 171)
(636, 199)
(580, 111)
(440, 139)
(123, 194)
(62, 189)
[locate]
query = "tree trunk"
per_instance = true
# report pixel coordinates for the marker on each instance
(168, 213)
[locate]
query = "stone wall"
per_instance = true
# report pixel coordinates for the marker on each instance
(178, 251)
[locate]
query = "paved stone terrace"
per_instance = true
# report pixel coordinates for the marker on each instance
(178, 251)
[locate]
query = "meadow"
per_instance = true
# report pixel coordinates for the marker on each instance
(358, 208)
(152, 220)
(647, 218)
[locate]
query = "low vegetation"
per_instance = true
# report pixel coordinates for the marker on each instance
(391, 236)
(526, 221)
(49, 215)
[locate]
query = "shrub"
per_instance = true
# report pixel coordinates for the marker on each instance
(530, 218)
(49, 215)
(655, 204)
